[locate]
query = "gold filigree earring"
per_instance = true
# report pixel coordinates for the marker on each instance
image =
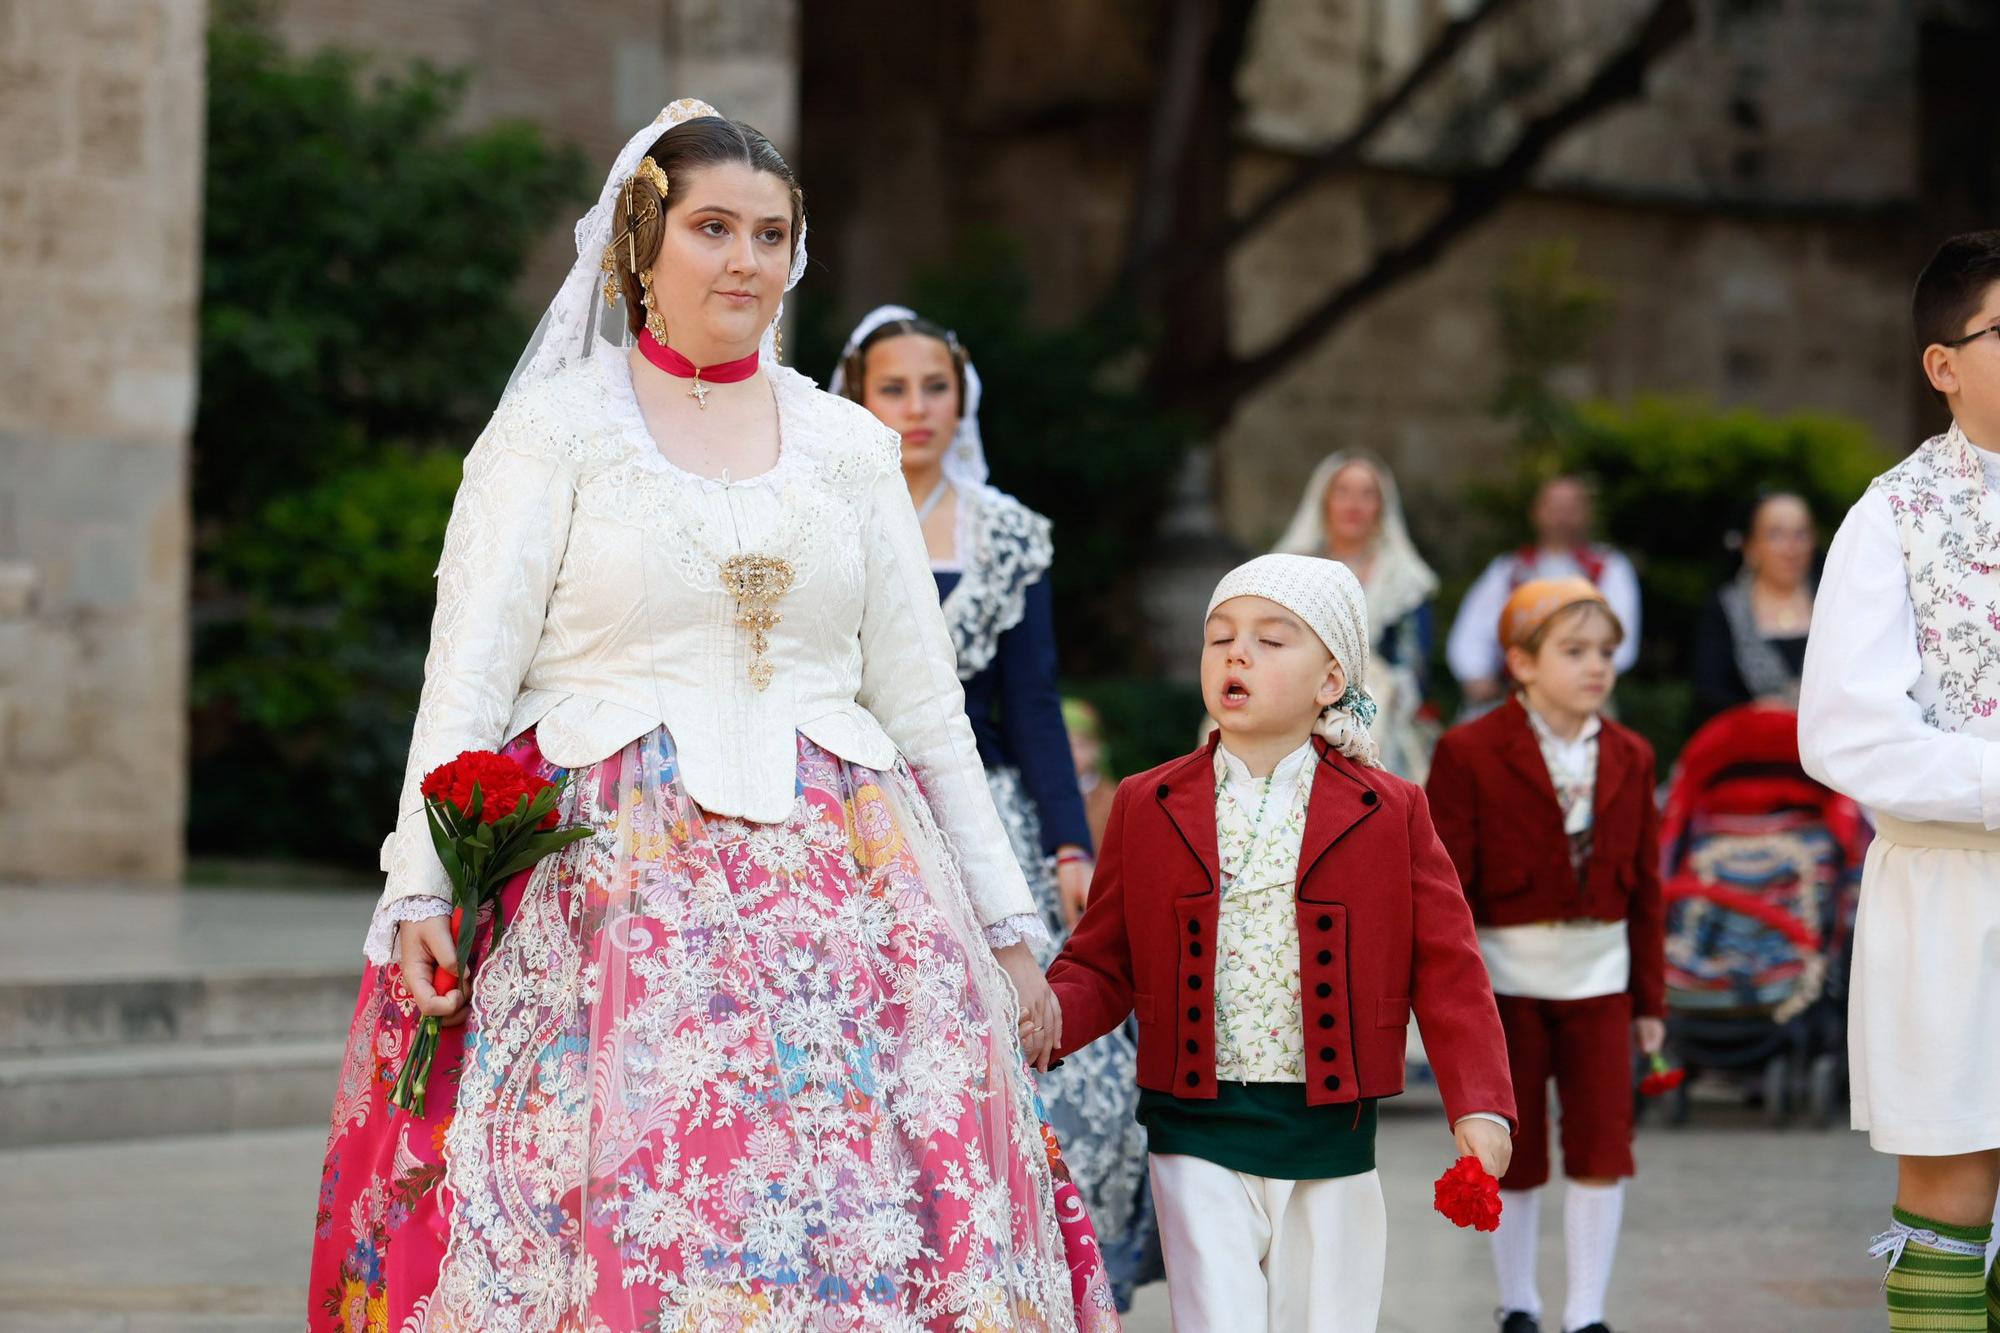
(778, 342)
(656, 323)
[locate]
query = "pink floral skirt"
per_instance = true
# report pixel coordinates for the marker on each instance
(718, 1075)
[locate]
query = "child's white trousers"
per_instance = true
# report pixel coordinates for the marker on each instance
(1249, 1254)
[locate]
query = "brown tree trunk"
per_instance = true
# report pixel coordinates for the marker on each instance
(1193, 369)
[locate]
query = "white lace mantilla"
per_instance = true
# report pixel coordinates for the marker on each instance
(1003, 547)
(574, 595)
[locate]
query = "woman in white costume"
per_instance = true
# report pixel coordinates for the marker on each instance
(748, 1056)
(1352, 512)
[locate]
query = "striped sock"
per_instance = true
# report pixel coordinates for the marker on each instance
(1992, 1292)
(1933, 1290)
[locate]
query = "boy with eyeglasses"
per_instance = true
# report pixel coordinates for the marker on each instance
(1900, 709)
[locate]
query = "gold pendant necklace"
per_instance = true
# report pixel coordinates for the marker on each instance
(757, 582)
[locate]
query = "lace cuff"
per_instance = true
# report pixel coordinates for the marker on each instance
(1026, 928)
(382, 930)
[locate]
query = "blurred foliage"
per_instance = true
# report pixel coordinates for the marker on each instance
(1147, 721)
(1067, 430)
(360, 255)
(307, 679)
(1675, 481)
(1675, 477)
(1547, 314)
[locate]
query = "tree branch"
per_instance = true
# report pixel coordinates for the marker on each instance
(1177, 98)
(1178, 265)
(1345, 151)
(1473, 198)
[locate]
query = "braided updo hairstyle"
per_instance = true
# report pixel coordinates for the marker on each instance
(855, 372)
(683, 150)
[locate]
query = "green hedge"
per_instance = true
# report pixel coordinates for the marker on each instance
(360, 255)
(1675, 478)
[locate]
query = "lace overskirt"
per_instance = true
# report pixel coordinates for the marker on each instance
(718, 1075)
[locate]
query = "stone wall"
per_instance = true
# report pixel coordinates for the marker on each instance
(1782, 315)
(590, 74)
(1751, 215)
(1772, 101)
(100, 199)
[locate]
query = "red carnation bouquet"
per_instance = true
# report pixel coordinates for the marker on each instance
(490, 819)
(1469, 1196)
(1660, 1079)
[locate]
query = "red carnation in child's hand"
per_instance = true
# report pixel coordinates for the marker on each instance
(1660, 1079)
(1468, 1196)
(501, 782)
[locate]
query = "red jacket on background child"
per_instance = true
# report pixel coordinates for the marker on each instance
(1498, 816)
(1383, 930)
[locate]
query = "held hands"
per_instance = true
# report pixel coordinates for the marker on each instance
(1650, 1033)
(1072, 884)
(1041, 1016)
(1490, 1143)
(422, 947)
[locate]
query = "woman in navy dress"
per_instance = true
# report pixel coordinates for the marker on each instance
(991, 554)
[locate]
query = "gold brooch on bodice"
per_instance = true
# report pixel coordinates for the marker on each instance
(757, 582)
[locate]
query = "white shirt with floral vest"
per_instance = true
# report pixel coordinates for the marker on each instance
(1897, 707)
(1900, 708)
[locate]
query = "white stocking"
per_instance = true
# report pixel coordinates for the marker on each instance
(1591, 1217)
(1514, 1250)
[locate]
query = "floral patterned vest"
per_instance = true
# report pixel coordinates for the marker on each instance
(1948, 521)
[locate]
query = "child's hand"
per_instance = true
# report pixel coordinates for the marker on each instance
(1650, 1033)
(1041, 1016)
(1490, 1143)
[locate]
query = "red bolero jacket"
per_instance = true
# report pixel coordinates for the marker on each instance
(1497, 812)
(1383, 929)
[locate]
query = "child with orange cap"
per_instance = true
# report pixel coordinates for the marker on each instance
(1546, 807)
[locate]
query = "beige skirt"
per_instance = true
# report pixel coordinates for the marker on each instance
(1924, 1008)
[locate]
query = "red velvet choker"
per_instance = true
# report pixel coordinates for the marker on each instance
(667, 359)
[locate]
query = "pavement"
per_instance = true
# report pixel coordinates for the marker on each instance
(1731, 1225)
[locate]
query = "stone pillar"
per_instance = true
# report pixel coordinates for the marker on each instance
(740, 55)
(101, 121)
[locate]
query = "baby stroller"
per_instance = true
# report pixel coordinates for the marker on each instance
(1761, 867)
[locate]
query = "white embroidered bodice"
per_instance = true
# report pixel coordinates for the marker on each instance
(1003, 547)
(1948, 523)
(579, 592)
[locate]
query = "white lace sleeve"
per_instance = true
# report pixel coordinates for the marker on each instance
(502, 550)
(1028, 928)
(382, 930)
(909, 681)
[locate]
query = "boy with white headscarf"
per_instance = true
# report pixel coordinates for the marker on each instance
(1273, 907)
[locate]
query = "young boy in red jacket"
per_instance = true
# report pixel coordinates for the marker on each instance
(1547, 808)
(1273, 907)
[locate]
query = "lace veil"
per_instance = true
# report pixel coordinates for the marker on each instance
(1400, 580)
(965, 461)
(578, 319)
